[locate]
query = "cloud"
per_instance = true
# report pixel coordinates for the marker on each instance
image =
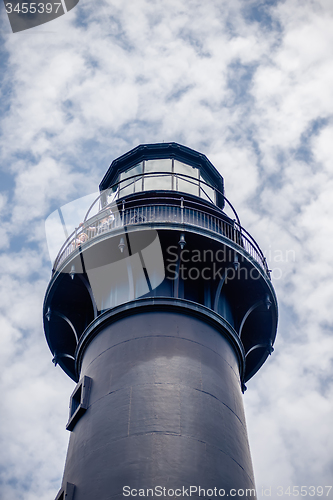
(247, 83)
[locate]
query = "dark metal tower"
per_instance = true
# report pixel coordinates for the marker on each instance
(160, 307)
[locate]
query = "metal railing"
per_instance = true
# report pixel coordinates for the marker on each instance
(106, 222)
(119, 189)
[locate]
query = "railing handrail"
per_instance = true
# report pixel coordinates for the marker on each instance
(231, 228)
(161, 174)
(253, 242)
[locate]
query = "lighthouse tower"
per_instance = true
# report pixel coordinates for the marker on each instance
(160, 308)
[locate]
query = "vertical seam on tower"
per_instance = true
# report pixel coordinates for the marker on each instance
(129, 412)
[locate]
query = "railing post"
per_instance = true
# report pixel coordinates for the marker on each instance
(268, 271)
(182, 209)
(123, 212)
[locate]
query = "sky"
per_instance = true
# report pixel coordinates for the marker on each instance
(249, 83)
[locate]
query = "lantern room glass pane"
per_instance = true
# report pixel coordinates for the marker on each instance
(186, 184)
(158, 181)
(159, 174)
(128, 186)
(207, 192)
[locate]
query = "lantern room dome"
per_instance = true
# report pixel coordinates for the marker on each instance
(164, 166)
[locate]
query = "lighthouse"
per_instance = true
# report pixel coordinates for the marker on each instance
(160, 308)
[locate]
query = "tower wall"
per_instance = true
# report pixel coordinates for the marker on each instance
(165, 406)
